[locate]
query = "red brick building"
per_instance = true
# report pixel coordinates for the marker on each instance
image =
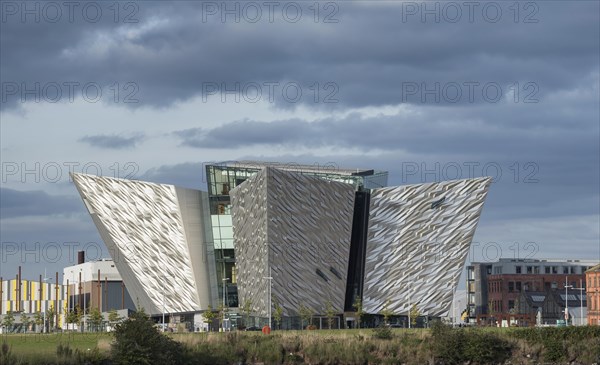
(504, 289)
(593, 295)
(493, 288)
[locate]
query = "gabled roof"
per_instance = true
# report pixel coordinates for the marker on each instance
(594, 269)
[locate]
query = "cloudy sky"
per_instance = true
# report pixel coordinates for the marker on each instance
(427, 91)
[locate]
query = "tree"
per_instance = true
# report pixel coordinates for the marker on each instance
(358, 307)
(517, 306)
(414, 315)
(330, 313)
(491, 307)
(138, 341)
(50, 315)
(8, 321)
(278, 314)
(113, 317)
(386, 312)
(38, 319)
(78, 315)
(247, 309)
(95, 319)
(209, 316)
(306, 314)
(221, 315)
(71, 317)
(25, 321)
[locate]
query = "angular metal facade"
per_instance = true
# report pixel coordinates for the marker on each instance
(159, 237)
(418, 241)
(299, 227)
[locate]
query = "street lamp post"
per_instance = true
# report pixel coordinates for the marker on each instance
(567, 300)
(408, 309)
(409, 304)
(71, 295)
(581, 290)
(225, 291)
(270, 278)
(581, 300)
(71, 301)
(45, 281)
(453, 305)
(224, 299)
(84, 304)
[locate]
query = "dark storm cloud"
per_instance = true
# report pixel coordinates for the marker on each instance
(50, 242)
(15, 203)
(543, 189)
(529, 129)
(372, 55)
(544, 139)
(112, 141)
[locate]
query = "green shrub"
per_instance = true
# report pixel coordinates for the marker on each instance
(383, 332)
(457, 345)
(447, 344)
(138, 342)
(486, 348)
(553, 349)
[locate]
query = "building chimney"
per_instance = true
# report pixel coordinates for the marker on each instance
(80, 257)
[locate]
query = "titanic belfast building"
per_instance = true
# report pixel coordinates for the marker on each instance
(291, 236)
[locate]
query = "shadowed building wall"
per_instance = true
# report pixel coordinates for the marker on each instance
(299, 227)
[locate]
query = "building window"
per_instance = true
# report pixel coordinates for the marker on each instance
(511, 286)
(572, 269)
(320, 273)
(518, 269)
(565, 269)
(554, 285)
(471, 273)
(530, 269)
(555, 269)
(547, 269)
(518, 285)
(511, 304)
(536, 269)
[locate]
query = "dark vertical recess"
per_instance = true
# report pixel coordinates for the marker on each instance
(358, 249)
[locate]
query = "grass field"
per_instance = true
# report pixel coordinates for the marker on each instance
(35, 347)
(354, 346)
